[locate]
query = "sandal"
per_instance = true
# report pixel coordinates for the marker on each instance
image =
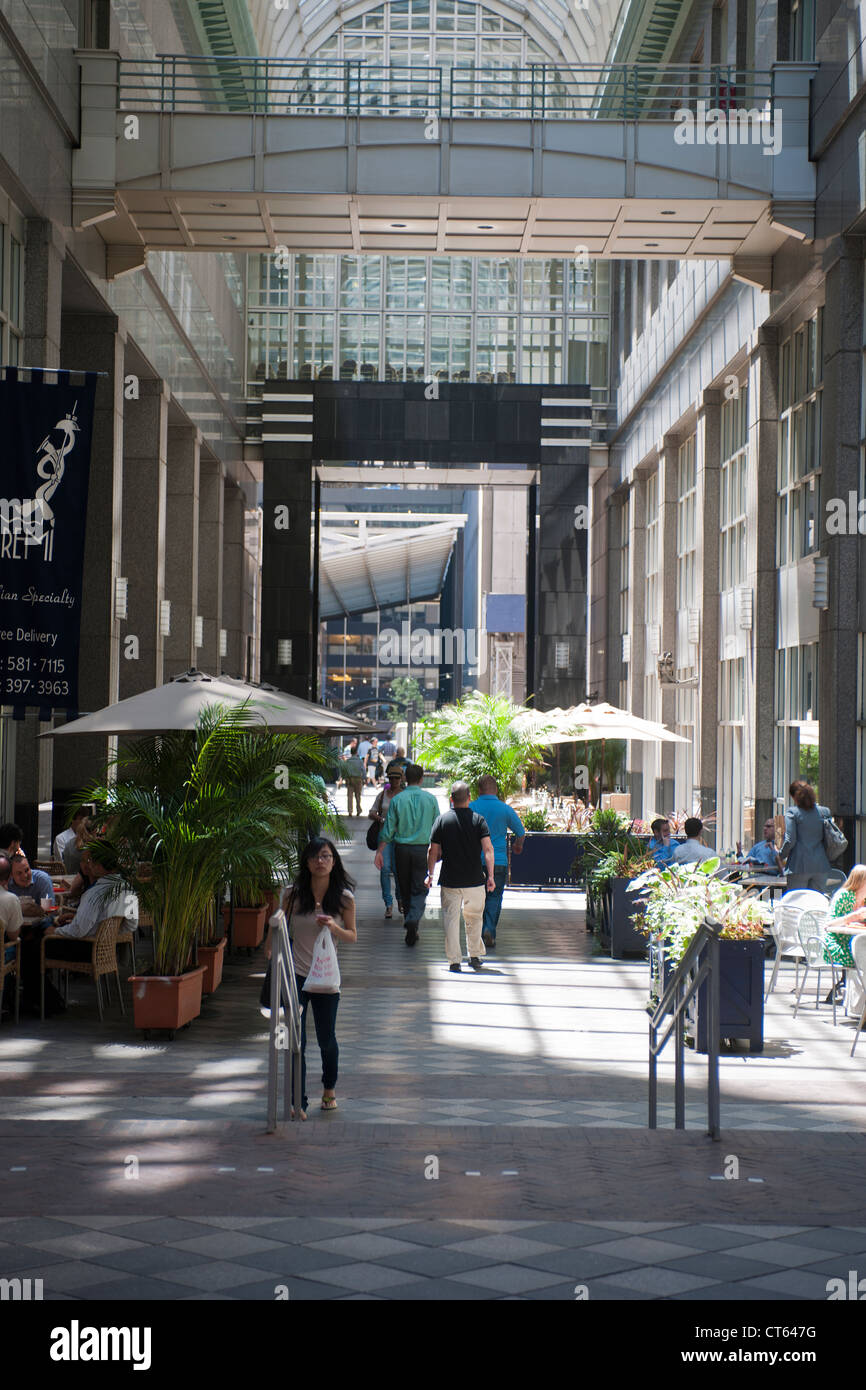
(303, 1113)
(329, 1102)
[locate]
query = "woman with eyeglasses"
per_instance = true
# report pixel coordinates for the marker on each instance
(320, 897)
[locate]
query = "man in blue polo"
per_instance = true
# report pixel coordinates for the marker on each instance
(407, 827)
(500, 819)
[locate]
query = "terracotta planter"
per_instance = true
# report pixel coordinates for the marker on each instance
(249, 925)
(211, 957)
(166, 1001)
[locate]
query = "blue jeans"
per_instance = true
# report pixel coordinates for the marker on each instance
(493, 901)
(386, 871)
(325, 1019)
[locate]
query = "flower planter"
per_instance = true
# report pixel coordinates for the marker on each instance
(166, 1001)
(620, 909)
(741, 994)
(211, 957)
(546, 861)
(248, 927)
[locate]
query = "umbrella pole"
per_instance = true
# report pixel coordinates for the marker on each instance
(601, 778)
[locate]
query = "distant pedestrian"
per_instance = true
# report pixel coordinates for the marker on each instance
(501, 818)
(459, 839)
(407, 826)
(399, 760)
(389, 748)
(803, 852)
(378, 812)
(353, 772)
(374, 763)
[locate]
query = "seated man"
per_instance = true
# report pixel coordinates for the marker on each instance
(32, 885)
(763, 855)
(693, 852)
(10, 839)
(69, 836)
(660, 846)
(108, 897)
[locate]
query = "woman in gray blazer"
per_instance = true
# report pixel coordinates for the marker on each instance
(803, 852)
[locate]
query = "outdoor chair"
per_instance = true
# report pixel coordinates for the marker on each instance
(787, 911)
(52, 866)
(10, 967)
(103, 960)
(812, 928)
(858, 951)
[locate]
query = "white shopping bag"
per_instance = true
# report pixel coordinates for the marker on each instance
(324, 976)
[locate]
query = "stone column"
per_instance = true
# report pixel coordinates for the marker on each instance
(145, 444)
(840, 469)
(233, 580)
(668, 449)
(181, 546)
(761, 541)
(707, 460)
(92, 341)
(210, 560)
(637, 629)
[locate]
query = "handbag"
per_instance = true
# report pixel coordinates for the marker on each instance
(324, 976)
(374, 830)
(835, 843)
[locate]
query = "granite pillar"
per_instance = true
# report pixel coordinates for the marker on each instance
(145, 445)
(761, 501)
(840, 470)
(707, 461)
(181, 546)
(233, 580)
(210, 560)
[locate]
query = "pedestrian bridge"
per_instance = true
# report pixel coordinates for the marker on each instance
(218, 154)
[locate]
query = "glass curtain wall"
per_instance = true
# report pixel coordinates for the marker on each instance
(420, 318)
(735, 815)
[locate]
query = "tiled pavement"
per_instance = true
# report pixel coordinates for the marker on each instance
(527, 1085)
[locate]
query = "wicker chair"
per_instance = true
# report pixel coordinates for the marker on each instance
(11, 967)
(52, 866)
(103, 959)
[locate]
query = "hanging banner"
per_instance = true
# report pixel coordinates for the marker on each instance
(46, 426)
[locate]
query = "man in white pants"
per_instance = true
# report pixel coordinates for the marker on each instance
(460, 838)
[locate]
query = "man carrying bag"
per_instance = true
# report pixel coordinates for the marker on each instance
(407, 826)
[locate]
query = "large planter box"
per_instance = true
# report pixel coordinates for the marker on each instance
(546, 861)
(166, 1001)
(248, 927)
(741, 994)
(211, 957)
(620, 909)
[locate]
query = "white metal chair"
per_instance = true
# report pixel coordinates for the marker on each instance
(786, 917)
(812, 928)
(858, 951)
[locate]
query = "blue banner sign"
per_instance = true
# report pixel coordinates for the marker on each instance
(46, 425)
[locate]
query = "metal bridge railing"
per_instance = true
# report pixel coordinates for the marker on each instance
(285, 1033)
(699, 963)
(289, 86)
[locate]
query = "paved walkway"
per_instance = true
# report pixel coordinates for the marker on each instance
(490, 1140)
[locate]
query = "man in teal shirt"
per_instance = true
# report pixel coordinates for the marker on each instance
(500, 818)
(407, 826)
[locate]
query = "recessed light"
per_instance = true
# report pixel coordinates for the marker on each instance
(398, 224)
(219, 205)
(486, 227)
(668, 212)
(650, 244)
(229, 238)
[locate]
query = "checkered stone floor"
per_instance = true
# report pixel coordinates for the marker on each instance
(254, 1258)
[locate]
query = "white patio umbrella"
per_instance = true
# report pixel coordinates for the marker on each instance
(596, 724)
(178, 704)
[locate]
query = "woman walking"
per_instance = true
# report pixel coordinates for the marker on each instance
(378, 812)
(320, 897)
(803, 852)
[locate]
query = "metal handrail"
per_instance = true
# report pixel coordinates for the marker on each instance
(285, 1032)
(700, 962)
(356, 87)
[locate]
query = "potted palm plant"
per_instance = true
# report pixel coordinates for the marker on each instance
(211, 950)
(221, 802)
